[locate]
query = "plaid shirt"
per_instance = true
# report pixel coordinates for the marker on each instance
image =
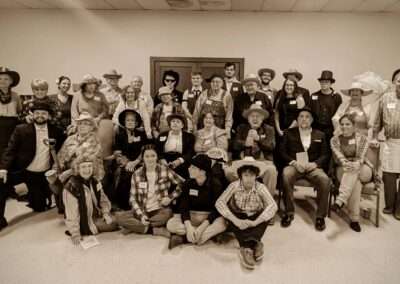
(139, 187)
(361, 143)
(235, 199)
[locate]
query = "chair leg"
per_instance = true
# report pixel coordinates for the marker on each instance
(329, 204)
(279, 199)
(378, 199)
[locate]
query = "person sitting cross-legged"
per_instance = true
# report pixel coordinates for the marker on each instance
(305, 152)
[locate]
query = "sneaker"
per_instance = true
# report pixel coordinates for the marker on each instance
(258, 251)
(387, 210)
(247, 258)
(175, 240)
(320, 224)
(161, 231)
(355, 226)
(286, 220)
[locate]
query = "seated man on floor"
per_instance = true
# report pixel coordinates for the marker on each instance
(305, 152)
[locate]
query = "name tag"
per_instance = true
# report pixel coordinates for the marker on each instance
(318, 140)
(259, 103)
(208, 102)
(235, 89)
(143, 184)
(193, 192)
(352, 141)
(391, 105)
(262, 136)
(136, 139)
(207, 141)
(314, 98)
(190, 95)
(292, 102)
(163, 138)
(96, 99)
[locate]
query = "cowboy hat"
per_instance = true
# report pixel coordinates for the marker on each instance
(327, 75)
(164, 91)
(112, 74)
(201, 161)
(294, 72)
(122, 115)
(255, 108)
(395, 74)
(356, 86)
(13, 74)
(251, 78)
(266, 70)
(217, 154)
(177, 115)
(249, 161)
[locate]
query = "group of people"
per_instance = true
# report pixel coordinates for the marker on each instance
(194, 165)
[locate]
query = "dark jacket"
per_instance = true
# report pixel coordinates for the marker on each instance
(291, 144)
(187, 145)
(236, 89)
(21, 148)
(265, 145)
(130, 150)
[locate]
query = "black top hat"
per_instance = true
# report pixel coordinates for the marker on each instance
(13, 74)
(202, 161)
(327, 75)
(122, 115)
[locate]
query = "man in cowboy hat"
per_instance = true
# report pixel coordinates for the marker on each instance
(388, 118)
(325, 103)
(266, 75)
(27, 158)
(305, 153)
(231, 84)
(112, 91)
(251, 96)
(257, 139)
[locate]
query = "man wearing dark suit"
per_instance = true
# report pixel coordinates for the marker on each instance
(305, 152)
(231, 84)
(26, 159)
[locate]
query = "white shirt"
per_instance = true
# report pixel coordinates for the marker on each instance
(173, 143)
(305, 136)
(41, 161)
(152, 202)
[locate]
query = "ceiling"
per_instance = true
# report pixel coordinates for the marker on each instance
(355, 6)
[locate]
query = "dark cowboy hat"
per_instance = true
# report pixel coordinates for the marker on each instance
(13, 74)
(41, 106)
(122, 115)
(294, 72)
(307, 109)
(395, 74)
(268, 70)
(177, 115)
(215, 75)
(202, 161)
(327, 75)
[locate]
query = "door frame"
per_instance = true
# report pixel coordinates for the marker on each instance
(156, 59)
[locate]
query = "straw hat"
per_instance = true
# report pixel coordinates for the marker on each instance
(356, 86)
(256, 108)
(112, 74)
(294, 72)
(249, 161)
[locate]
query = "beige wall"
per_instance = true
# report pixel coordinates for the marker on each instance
(47, 43)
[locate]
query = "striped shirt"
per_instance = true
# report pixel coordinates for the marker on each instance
(235, 199)
(388, 116)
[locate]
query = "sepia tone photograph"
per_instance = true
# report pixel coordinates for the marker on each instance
(199, 141)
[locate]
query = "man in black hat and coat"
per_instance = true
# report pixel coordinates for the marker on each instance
(27, 158)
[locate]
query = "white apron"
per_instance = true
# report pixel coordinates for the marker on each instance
(391, 156)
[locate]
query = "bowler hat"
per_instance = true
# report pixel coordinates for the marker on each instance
(327, 75)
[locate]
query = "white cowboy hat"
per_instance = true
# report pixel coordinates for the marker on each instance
(249, 161)
(356, 86)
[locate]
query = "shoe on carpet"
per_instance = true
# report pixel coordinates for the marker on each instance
(355, 226)
(3, 223)
(286, 220)
(161, 231)
(387, 210)
(320, 224)
(175, 240)
(396, 214)
(258, 251)
(247, 258)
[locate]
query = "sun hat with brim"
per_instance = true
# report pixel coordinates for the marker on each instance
(122, 116)
(294, 72)
(176, 115)
(164, 91)
(266, 70)
(217, 154)
(13, 74)
(89, 79)
(213, 76)
(201, 161)
(256, 108)
(249, 161)
(41, 106)
(356, 86)
(251, 78)
(112, 74)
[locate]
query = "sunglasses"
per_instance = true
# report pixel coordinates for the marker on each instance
(169, 80)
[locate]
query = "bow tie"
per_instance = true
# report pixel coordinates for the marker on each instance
(197, 92)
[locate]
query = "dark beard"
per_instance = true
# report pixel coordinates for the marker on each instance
(40, 122)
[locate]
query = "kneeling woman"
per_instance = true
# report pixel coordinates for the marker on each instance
(150, 199)
(349, 150)
(87, 208)
(247, 205)
(198, 219)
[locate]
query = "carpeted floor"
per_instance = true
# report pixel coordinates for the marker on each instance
(34, 249)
